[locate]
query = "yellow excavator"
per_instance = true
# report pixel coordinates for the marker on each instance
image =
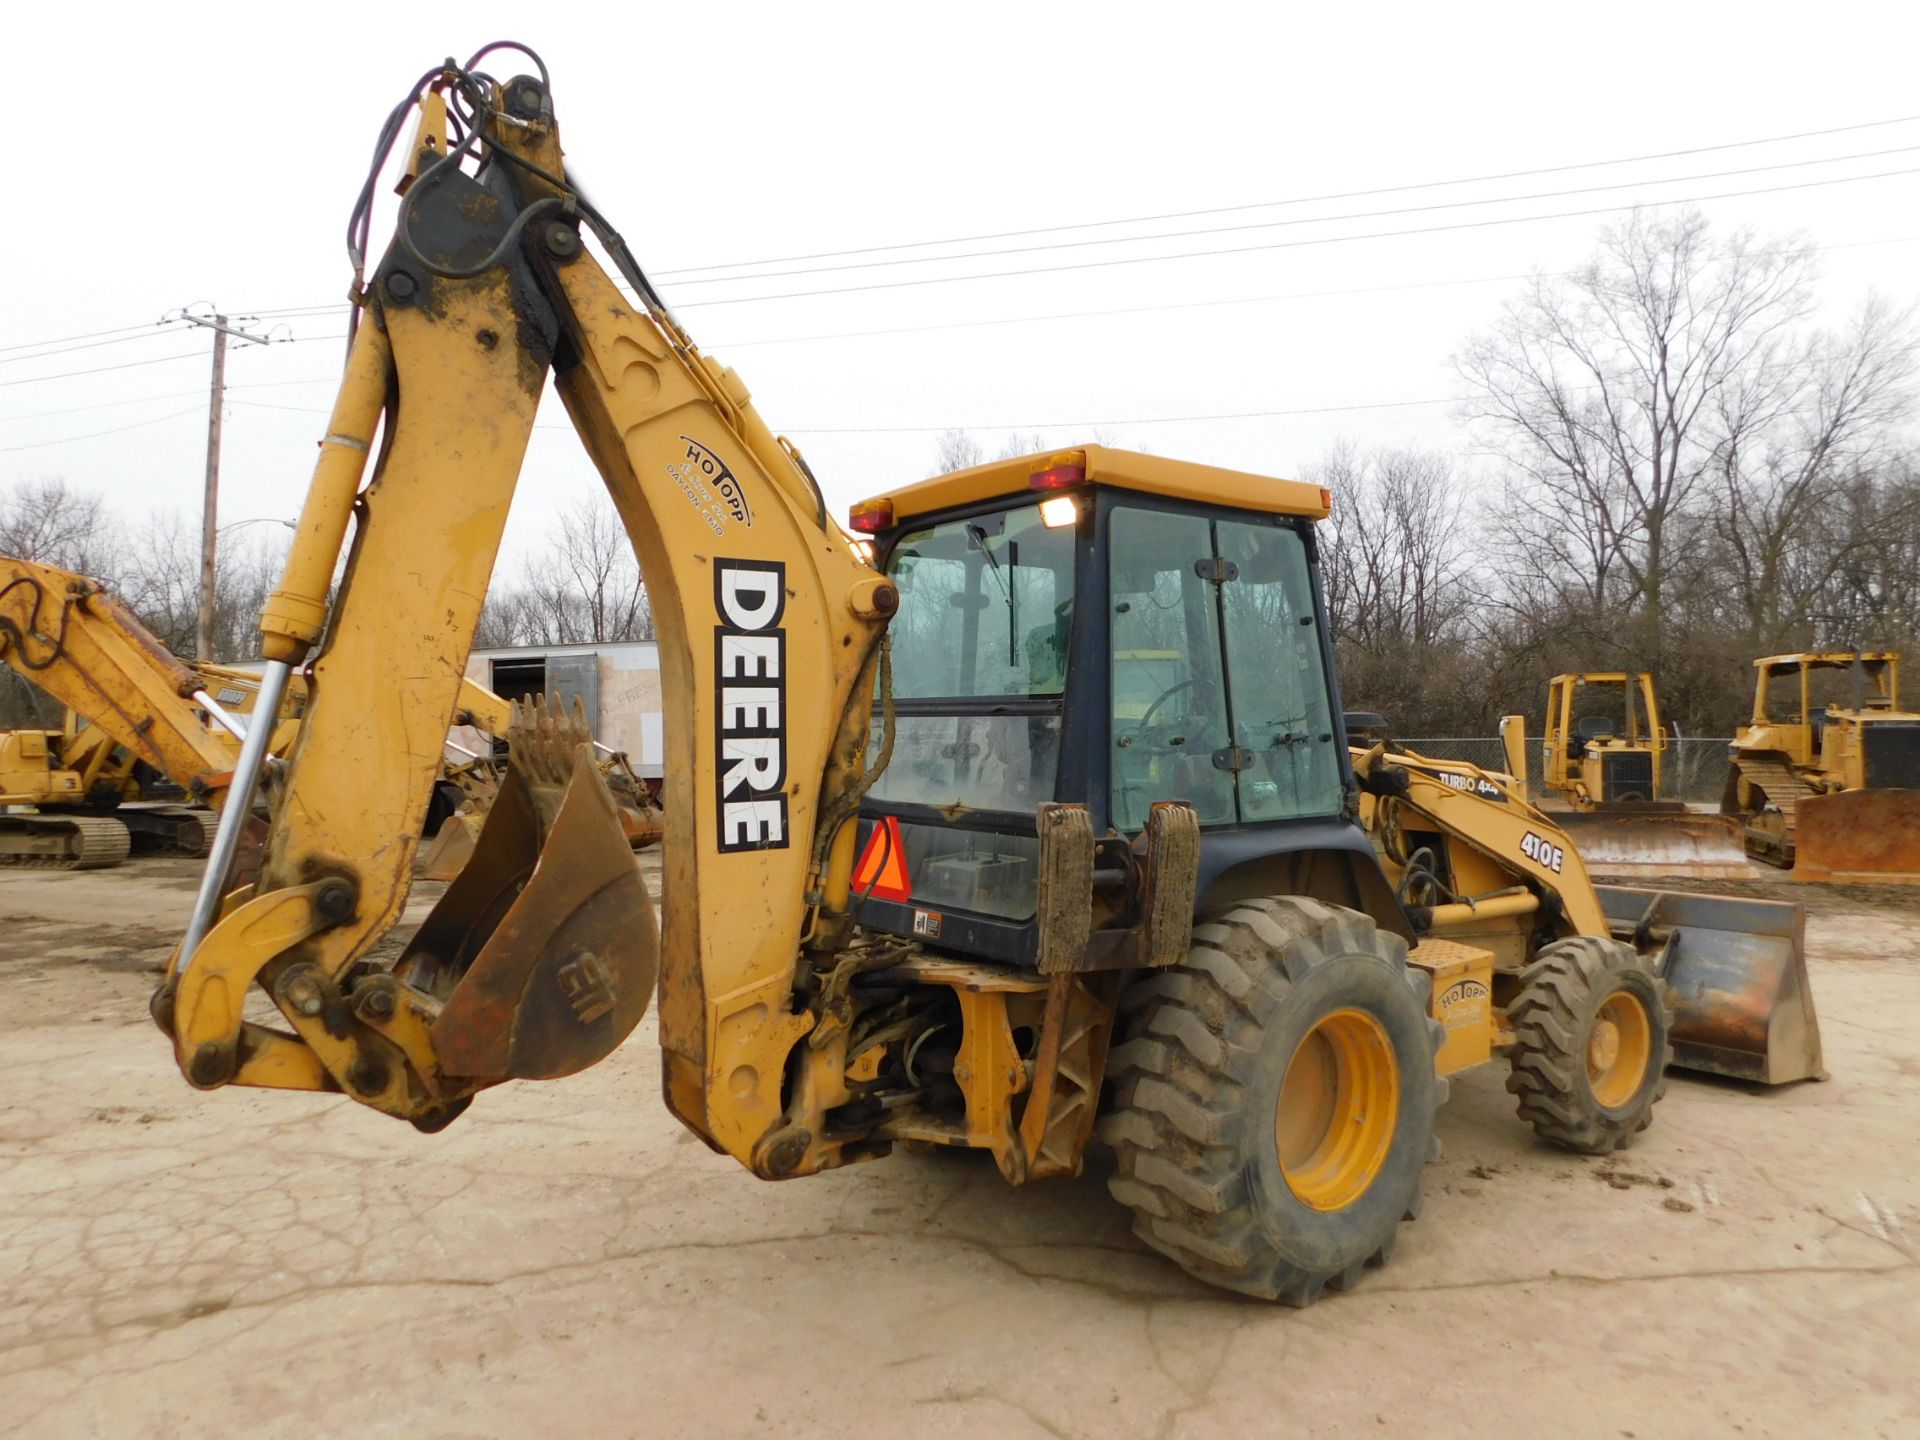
(937, 868)
(1826, 778)
(1604, 767)
(133, 709)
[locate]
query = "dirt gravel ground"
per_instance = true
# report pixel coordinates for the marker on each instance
(566, 1261)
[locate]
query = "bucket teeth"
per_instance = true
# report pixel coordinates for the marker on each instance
(544, 741)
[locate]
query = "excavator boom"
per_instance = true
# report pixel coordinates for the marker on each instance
(770, 626)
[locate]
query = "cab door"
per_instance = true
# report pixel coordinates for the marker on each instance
(1218, 681)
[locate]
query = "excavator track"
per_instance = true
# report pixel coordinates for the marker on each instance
(1784, 790)
(62, 842)
(169, 829)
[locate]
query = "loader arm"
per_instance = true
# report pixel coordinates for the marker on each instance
(67, 635)
(770, 627)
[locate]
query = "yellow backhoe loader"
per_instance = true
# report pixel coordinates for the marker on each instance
(930, 842)
(1826, 779)
(1605, 771)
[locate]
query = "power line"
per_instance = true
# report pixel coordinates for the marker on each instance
(1142, 420)
(96, 434)
(102, 405)
(158, 329)
(98, 370)
(1049, 317)
(1296, 200)
(1302, 220)
(89, 335)
(1217, 304)
(1293, 244)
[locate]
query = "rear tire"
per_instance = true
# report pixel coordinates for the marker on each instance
(1593, 1027)
(1280, 998)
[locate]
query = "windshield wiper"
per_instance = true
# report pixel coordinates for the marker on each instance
(978, 534)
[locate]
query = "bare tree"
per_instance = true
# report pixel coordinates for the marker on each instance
(957, 451)
(1395, 562)
(1603, 390)
(1800, 504)
(584, 588)
(49, 521)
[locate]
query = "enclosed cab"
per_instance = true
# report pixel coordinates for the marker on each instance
(1111, 629)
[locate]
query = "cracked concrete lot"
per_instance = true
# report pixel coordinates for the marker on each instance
(566, 1261)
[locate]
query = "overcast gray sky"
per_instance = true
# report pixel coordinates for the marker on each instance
(161, 160)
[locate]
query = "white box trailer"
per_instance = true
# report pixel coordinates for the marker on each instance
(618, 683)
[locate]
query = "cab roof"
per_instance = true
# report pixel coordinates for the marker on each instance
(1102, 465)
(1828, 657)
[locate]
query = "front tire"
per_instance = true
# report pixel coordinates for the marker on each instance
(1274, 1100)
(1592, 1030)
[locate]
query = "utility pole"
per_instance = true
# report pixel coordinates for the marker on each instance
(210, 507)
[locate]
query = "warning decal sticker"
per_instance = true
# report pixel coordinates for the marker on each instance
(882, 871)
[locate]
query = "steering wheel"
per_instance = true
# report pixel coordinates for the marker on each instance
(1143, 727)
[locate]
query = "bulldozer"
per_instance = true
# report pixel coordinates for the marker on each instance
(1017, 806)
(1608, 781)
(1830, 791)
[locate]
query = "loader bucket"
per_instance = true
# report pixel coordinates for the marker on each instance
(544, 949)
(1636, 844)
(1869, 836)
(1736, 974)
(452, 847)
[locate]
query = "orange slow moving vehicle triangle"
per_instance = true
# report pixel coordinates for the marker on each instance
(882, 871)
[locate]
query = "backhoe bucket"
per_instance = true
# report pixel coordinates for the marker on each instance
(1637, 844)
(544, 948)
(1736, 974)
(1868, 836)
(447, 856)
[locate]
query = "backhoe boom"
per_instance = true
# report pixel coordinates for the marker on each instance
(769, 625)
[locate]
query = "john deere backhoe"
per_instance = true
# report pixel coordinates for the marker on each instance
(1606, 771)
(911, 890)
(1826, 778)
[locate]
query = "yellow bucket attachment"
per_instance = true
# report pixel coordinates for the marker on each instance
(1866, 836)
(452, 847)
(544, 950)
(1736, 974)
(1654, 840)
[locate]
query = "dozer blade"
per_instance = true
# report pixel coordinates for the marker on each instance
(447, 856)
(1644, 843)
(1736, 972)
(1869, 836)
(544, 948)
(641, 827)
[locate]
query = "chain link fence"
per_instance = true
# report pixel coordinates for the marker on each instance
(1694, 768)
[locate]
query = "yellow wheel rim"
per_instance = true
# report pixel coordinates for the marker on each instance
(1618, 1046)
(1338, 1107)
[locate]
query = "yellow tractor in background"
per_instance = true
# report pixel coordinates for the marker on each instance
(135, 712)
(1605, 771)
(1026, 805)
(1826, 778)
(57, 791)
